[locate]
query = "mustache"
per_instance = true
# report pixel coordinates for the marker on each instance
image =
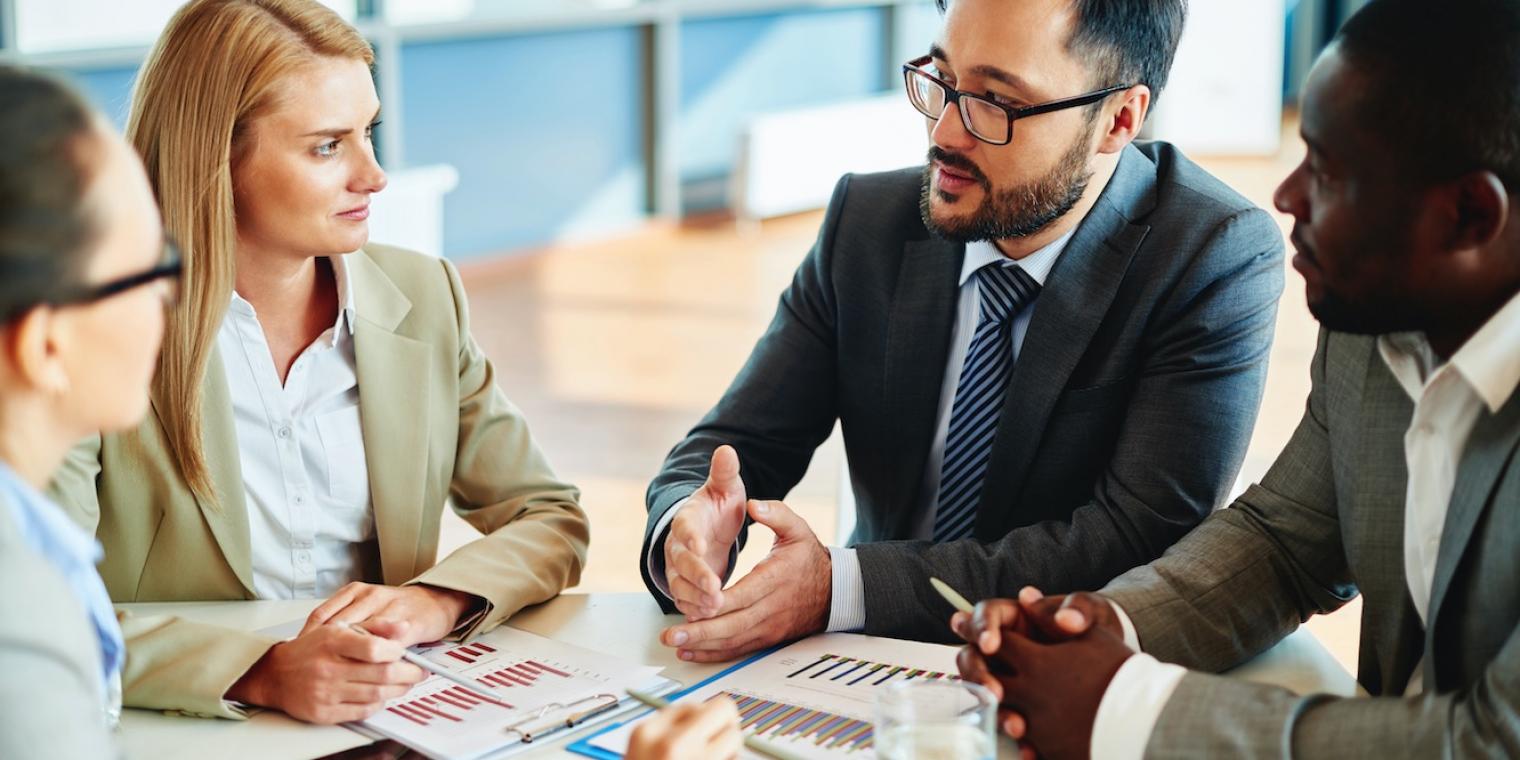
(958, 162)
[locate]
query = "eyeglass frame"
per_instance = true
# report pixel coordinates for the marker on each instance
(171, 264)
(1014, 113)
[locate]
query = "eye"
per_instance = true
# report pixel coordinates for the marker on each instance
(328, 149)
(369, 131)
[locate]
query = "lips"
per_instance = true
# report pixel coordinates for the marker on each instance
(358, 214)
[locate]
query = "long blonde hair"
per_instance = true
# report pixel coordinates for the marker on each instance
(215, 68)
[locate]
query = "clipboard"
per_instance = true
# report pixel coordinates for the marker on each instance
(583, 745)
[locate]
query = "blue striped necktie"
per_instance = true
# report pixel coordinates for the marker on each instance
(1005, 290)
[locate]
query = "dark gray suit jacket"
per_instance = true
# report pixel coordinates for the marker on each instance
(1125, 421)
(1326, 522)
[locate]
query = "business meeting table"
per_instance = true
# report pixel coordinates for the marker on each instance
(625, 625)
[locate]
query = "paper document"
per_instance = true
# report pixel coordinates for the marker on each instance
(814, 698)
(536, 683)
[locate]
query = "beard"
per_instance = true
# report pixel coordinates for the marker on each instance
(1012, 212)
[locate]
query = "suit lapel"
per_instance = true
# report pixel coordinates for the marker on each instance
(1379, 492)
(1067, 313)
(1485, 460)
(228, 518)
(918, 345)
(393, 388)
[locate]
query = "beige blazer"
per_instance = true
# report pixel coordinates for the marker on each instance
(435, 426)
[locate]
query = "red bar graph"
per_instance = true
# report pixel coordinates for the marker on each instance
(450, 704)
(522, 674)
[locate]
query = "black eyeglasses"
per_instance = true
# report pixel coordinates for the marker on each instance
(986, 120)
(168, 270)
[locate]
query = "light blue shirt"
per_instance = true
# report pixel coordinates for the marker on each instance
(73, 553)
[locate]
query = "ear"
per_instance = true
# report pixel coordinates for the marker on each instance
(1123, 117)
(32, 346)
(1480, 206)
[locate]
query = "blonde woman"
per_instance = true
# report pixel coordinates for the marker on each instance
(318, 399)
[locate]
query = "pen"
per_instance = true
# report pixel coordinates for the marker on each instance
(956, 600)
(433, 667)
(764, 748)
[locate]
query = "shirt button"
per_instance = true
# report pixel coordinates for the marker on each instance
(283, 432)
(299, 500)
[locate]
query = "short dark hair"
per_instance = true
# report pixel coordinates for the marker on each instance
(45, 228)
(1443, 83)
(1129, 41)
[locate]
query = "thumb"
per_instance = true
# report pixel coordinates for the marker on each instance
(779, 518)
(723, 476)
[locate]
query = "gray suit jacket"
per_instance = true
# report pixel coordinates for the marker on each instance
(1325, 522)
(50, 701)
(1127, 415)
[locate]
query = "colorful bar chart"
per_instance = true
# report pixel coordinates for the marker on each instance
(851, 671)
(778, 720)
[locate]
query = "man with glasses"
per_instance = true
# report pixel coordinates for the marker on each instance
(1046, 349)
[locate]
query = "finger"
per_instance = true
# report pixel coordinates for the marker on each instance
(369, 603)
(1027, 752)
(781, 519)
(327, 609)
(1040, 617)
(988, 621)
(694, 570)
(715, 717)
(363, 648)
(960, 623)
(714, 633)
(1081, 612)
(1013, 723)
(398, 630)
(973, 669)
(399, 673)
(723, 475)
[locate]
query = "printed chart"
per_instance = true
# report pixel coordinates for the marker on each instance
(520, 674)
(816, 697)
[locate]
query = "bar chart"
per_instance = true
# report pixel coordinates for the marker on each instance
(518, 675)
(851, 671)
(779, 721)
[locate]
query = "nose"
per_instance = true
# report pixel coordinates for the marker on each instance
(950, 132)
(368, 177)
(1289, 196)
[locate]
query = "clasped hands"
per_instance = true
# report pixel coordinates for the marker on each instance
(1048, 661)
(786, 596)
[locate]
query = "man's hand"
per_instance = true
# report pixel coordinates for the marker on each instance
(406, 615)
(701, 536)
(1034, 616)
(1055, 689)
(707, 730)
(786, 597)
(330, 674)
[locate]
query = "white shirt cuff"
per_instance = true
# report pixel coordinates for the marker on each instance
(1131, 706)
(1131, 639)
(847, 610)
(656, 559)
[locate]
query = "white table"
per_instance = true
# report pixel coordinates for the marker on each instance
(626, 625)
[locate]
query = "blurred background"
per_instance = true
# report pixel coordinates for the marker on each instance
(627, 185)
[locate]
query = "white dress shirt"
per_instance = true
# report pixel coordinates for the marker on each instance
(1448, 400)
(305, 477)
(847, 611)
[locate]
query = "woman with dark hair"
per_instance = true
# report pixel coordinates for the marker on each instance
(84, 275)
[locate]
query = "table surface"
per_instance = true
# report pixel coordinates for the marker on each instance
(625, 625)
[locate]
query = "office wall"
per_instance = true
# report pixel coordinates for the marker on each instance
(546, 131)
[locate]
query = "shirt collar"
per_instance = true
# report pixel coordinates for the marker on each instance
(1037, 265)
(345, 285)
(1487, 361)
